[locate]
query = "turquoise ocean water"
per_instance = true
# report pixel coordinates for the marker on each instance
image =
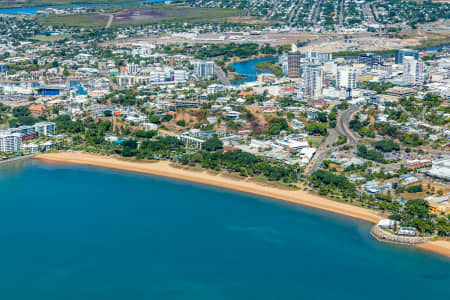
(78, 232)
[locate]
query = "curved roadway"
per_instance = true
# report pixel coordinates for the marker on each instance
(342, 128)
(342, 125)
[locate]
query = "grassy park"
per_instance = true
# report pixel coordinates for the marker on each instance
(50, 38)
(315, 141)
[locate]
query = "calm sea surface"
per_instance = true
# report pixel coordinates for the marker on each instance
(75, 232)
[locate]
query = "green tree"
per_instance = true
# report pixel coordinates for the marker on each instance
(276, 125)
(21, 111)
(212, 144)
(181, 123)
(316, 127)
(387, 145)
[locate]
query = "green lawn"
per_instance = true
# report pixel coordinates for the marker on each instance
(50, 38)
(315, 141)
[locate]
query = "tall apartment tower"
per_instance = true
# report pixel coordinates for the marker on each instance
(313, 81)
(346, 77)
(294, 64)
(413, 72)
(10, 142)
(283, 61)
(400, 54)
(204, 69)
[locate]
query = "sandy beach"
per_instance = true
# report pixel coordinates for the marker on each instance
(166, 169)
(440, 246)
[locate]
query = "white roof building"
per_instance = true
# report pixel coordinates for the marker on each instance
(387, 223)
(440, 169)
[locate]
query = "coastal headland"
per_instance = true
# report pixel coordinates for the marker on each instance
(170, 170)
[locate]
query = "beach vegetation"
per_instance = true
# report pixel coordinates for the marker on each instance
(443, 226)
(244, 163)
(416, 214)
(324, 178)
(159, 147)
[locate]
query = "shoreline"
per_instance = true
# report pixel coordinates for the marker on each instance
(166, 169)
(18, 158)
(250, 58)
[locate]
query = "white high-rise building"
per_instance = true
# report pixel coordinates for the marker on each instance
(45, 128)
(413, 70)
(313, 81)
(10, 142)
(204, 69)
(283, 61)
(346, 77)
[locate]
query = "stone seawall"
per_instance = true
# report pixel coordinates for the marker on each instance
(388, 237)
(18, 158)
